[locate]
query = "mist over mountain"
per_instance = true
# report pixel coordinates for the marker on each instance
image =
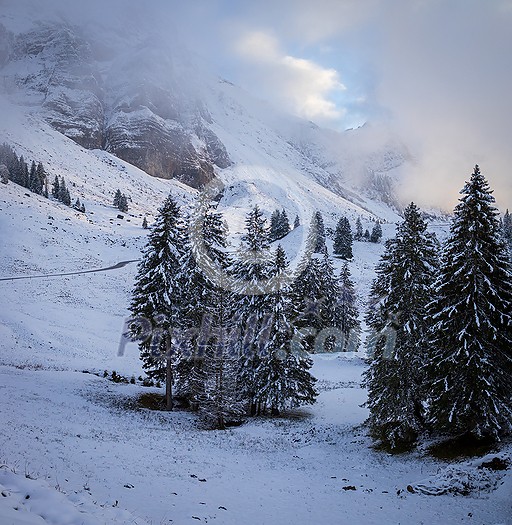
(138, 92)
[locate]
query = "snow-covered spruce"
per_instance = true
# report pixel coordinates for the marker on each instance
(156, 305)
(282, 377)
(251, 269)
(469, 372)
(396, 318)
(343, 239)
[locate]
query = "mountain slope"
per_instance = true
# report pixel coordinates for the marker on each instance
(148, 100)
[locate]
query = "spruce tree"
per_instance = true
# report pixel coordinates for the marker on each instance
(282, 377)
(284, 224)
(313, 297)
(396, 345)
(123, 203)
(274, 226)
(156, 297)
(347, 313)
(343, 239)
(507, 228)
(358, 236)
(117, 198)
(469, 374)
(4, 174)
(56, 187)
(317, 225)
(252, 269)
(296, 222)
(376, 234)
(145, 223)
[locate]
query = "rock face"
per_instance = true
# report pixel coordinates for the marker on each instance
(130, 104)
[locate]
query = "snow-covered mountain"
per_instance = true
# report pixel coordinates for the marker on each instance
(149, 101)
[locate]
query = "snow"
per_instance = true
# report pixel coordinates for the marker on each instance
(111, 463)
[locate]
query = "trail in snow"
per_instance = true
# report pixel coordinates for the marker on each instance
(121, 264)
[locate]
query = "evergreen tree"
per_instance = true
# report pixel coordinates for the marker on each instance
(284, 224)
(507, 228)
(282, 376)
(117, 198)
(317, 225)
(313, 298)
(347, 313)
(399, 297)
(343, 239)
(123, 203)
(274, 225)
(358, 236)
(296, 222)
(376, 234)
(366, 236)
(145, 223)
(469, 375)
(32, 178)
(251, 270)
(156, 296)
(77, 206)
(4, 174)
(56, 187)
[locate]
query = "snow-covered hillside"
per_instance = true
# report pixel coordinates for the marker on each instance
(110, 462)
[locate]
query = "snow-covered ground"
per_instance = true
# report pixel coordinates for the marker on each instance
(72, 449)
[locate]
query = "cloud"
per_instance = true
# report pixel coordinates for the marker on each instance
(300, 85)
(445, 74)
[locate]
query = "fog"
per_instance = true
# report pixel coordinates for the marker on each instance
(437, 73)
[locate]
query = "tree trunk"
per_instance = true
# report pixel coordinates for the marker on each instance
(168, 379)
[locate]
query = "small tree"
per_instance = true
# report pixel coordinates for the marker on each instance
(347, 313)
(296, 222)
(376, 234)
(4, 174)
(123, 203)
(319, 228)
(117, 198)
(343, 239)
(56, 187)
(358, 236)
(145, 223)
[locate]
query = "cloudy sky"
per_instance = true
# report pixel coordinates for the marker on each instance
(436, 72)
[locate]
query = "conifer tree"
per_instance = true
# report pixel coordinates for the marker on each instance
(358, 236)
(145, 223)
(343, 239)
(56, 187)
(376, 234)
(396, 346)
(282, 376)
(366, 236)
(296, 222)
(252, 269)
(469, 374)
(123, 203)
(156, 296)
(319, 228)
(347, 313)
(313, 298)
(507, 228)
(4, 174)
(117, 198)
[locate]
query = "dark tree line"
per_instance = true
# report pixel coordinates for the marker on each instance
(35, 178)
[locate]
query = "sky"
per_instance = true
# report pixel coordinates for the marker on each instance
(437, 73)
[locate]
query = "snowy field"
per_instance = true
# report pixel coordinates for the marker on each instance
(74, 451)
(91, 459)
